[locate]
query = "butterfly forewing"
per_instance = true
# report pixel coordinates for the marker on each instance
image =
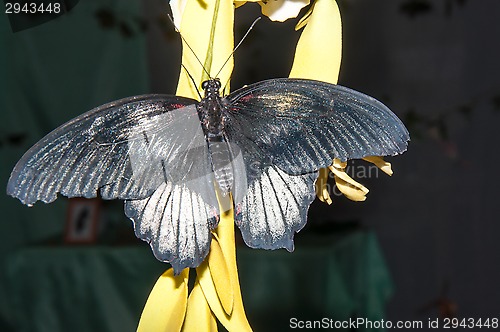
(302, 125)
(94, 152)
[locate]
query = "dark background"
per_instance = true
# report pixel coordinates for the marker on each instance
(434, 63)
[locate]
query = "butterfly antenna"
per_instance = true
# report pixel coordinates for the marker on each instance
(241, 41)
(192, 80)
(189, 46)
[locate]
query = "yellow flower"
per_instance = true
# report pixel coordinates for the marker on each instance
(208, 28)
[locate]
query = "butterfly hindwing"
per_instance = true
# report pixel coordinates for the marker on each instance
(275, 208)
(176, 222)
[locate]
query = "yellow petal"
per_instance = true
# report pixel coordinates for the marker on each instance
(380, 163)
(198, 315)
(177, 7)
(237, 321)
(319, 50)
(216, 268)
(341, 174)
(304, 19)
(351, 191)
(166, 304)
(322, 186)
(207, 26)
(339, 164)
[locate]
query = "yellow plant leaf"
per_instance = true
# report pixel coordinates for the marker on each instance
(319, 50)
(207, 26)
(237, 321)
(215, 267)
(198, 315)
(304, 19)
(223, 280)
(166, 304)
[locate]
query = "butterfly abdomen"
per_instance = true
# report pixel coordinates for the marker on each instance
(210, 113)
(220, 155)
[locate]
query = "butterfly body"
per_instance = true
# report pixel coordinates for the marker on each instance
(211, 113)
(161, 154)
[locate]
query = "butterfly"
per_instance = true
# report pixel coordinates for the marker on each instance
(163, 155)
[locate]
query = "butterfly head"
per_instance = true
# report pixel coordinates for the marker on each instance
(211, 87)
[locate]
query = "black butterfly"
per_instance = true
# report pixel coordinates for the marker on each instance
(164, 154)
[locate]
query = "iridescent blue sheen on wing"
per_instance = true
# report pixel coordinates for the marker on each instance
(149, 150)
(97, 150)
(303, 124)
(176, 222)
(287, 129)
(275, 208)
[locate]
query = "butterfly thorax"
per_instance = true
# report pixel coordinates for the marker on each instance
(210, 110)
(210, 114)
